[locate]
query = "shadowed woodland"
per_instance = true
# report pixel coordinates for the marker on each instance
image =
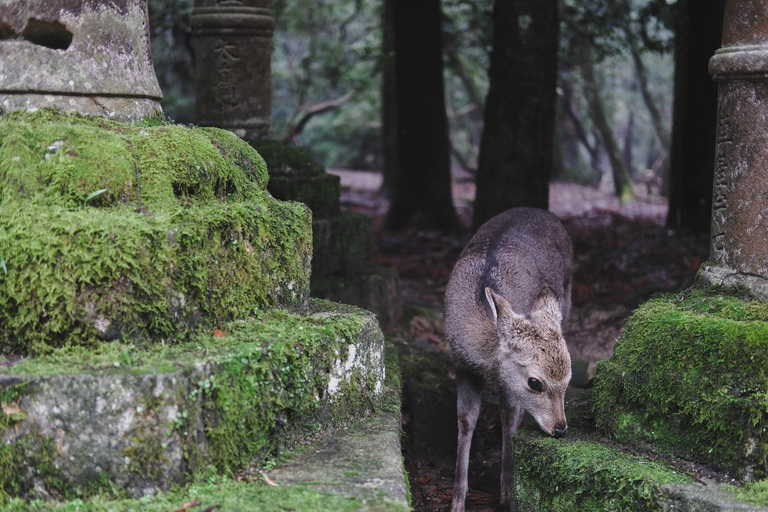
(441, 115)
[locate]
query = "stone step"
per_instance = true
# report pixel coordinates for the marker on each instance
(78, 422)
(583, 472)
(377, 291)
(363, 462)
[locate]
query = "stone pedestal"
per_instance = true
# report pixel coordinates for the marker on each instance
(79, 56)
(233, 45)
(739, 245)
(343, 269)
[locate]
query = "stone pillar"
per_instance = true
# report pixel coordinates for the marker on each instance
(233, 45)
(84, 56)
(739, 244)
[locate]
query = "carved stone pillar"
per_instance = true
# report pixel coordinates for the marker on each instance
(85, 56)
(233, 45)
(739, 245)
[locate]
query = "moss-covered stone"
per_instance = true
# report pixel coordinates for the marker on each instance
(574, 475)
(149, 231)
(218, 494)
(689, 376)
(376, 291)
(295, 175)
(342, 245)
(77, 422)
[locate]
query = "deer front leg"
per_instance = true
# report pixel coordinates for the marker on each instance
(469, 394)
(511, 417)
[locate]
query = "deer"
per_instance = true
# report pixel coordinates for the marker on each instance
(505, 303)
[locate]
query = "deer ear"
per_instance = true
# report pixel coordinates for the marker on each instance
(547, 312)
(503, 314)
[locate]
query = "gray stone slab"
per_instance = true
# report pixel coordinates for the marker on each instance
(363, 462)
(704, 498)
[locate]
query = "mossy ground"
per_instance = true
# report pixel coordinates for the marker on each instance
(149, 231)
(577, 475)
(226, 493)
(266, 385)
(689, 376)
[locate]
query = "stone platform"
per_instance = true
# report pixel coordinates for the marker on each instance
(79, 422)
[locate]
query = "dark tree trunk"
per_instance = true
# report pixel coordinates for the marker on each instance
(388, 101)
(516, 156)
(420, 192)
(692, 160)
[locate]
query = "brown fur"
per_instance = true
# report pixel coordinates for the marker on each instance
(504, 307)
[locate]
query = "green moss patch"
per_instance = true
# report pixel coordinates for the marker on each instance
(689, 376)
(153, 231)
(79, 422)
(226, 494)
(755, 493)
(554, 475)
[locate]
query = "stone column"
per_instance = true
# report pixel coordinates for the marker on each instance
(85, 56)
(233, 45)
(739, 244)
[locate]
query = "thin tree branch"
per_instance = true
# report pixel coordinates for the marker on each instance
(312, 111)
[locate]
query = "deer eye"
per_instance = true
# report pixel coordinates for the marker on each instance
(534, 384)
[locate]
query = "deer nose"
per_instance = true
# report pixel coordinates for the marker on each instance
(560, 429)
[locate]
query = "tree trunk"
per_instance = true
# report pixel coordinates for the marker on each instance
(621, 182)
(516, 149)
(388, 102)
(692, 160)
(420, 195)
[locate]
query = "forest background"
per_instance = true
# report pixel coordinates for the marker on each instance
(625, 69)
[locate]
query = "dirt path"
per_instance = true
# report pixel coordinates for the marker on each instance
(622, 255)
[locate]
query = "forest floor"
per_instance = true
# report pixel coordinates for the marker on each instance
(623, 254)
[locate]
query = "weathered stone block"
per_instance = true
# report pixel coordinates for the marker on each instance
(81, 56)
(320, 193)
(573, 475)
(342, 245)
(110, 230)
(79, 421)
(376, 291)
(690, 377)
(295, 175)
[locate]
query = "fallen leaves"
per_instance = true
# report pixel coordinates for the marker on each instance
(421, 328)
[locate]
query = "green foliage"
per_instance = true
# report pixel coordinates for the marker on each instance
(324, 50)
(689, 376)
(598, 28)
(172, 55)
(183, 235)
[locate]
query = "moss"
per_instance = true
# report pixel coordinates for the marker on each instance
(575, 475)
(755, 493)
(109, 230)
(225, 493)
(265, 384)
(296, 176)
(288, 159)
(690, 377)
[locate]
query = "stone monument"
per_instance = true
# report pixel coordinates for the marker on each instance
(233, 43)
(80, 56)
(739, 245)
